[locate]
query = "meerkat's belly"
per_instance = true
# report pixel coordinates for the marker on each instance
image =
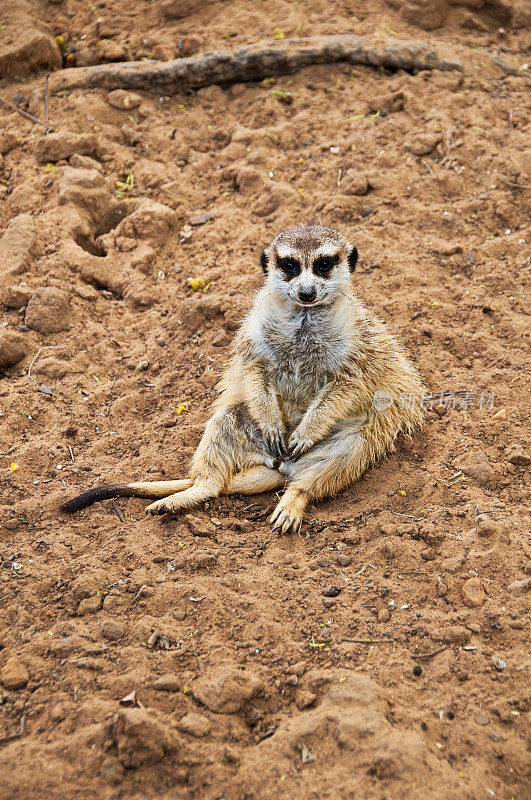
(300, 374)
(302, 355)
(297, 389)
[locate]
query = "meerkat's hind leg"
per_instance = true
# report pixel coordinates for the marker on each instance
(255, 481)
(252, 481)
(198, 492)
(327, 468)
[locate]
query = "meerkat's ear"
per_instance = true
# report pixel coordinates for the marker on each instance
(264, 260)
(352, 258)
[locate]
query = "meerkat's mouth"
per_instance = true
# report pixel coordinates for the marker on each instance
(312, 304)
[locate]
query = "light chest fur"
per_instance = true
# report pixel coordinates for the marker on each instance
(302, 350)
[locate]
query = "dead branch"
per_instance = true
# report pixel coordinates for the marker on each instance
(253, 63)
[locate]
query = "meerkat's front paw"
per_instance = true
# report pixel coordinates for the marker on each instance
(275, 441)
(287, 516)
(298, 445)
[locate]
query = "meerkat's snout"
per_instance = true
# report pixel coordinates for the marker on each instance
(307, 295)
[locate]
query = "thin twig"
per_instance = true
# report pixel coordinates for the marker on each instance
(36, 120)
(118, 511)
(137, 595)
(425, 656)
(411, 572)
(32, 363)
(514, 184)
(371, 641)
(46, 98)
(45, 347)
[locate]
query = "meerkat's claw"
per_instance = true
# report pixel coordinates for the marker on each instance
(276, 444)
(157, 509)
(297, 447)
(285, 520)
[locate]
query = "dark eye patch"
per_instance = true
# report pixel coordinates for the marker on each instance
(289, 266)
(324, 264)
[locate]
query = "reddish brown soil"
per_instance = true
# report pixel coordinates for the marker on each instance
(261, 665)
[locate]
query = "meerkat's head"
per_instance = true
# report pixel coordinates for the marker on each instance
(309, 266)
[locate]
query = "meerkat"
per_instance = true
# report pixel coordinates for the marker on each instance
(316, 390)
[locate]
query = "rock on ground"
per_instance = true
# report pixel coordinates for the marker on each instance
(17, 246)
(195, 725)
(451, 634)
(476, 464)
(226, 689)
(90, 605)
(48, 310)
(142, 736)
(176, 9)
(63, 144)
(14, 674)
(515, 455)
(15, 297)
(25, 44)
(167, 683)
(519, 588)
(13, 348)
(113, 629)
(123, 100)
(425, 14)
(354, 183)
(473, 593)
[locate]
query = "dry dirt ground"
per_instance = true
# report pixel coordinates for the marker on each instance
(203, 656)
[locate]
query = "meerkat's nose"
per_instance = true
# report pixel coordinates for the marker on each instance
(307, 295)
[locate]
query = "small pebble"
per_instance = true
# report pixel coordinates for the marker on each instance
(167, 683)
(325, 635)
(195, 725)
(473, 593)
(417, 670)
(113, 629)
(305, 699)
(14, 674)
(331, 591)
(90, 605)
(200, 219)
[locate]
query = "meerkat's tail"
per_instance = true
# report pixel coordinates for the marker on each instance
(141, 489)
(253, 481)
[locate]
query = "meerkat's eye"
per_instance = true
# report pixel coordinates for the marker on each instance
(324, 264)
(290, 266)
